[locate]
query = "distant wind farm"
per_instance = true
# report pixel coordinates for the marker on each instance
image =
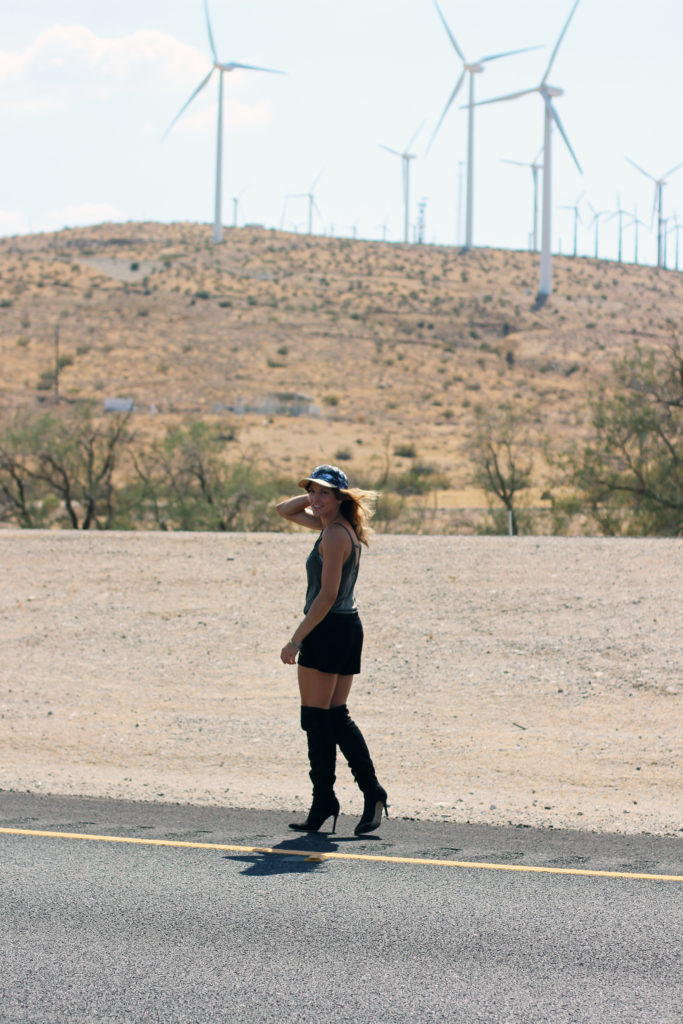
(413, 214)
(328, 95)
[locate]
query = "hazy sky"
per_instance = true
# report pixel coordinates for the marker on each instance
(88, 88)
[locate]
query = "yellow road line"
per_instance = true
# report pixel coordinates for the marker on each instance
(313, 855)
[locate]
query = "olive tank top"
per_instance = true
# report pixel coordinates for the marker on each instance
(346, 600)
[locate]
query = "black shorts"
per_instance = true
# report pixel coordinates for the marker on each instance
(334, 645)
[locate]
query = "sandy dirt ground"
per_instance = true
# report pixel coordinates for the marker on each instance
(532, 681)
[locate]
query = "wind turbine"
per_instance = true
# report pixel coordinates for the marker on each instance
(636, 222)
(312, 205)
(235, 205)
(406, 156)
(657, 205)
(619, 212)
(471, 69)
(677, 228)
(535, 168)
(222, 69)
(384, 229)
(597, 214)
(577, 218)
(548, 94)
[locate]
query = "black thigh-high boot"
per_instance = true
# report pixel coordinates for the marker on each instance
(322, 754)
(350, 741)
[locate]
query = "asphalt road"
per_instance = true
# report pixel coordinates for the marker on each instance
(124, 932)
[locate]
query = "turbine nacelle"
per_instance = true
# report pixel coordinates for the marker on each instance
(475, 69)
(552, 90)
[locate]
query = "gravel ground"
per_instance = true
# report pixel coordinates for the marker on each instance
(532, 681)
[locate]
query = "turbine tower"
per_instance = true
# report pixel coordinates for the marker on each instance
(657, 205)
(471, 69)
(235, 205)
(222, 69)
(577, 220)
(620, 213)
(406, 156)
(636, 222)
(676, 227)
(535, 168)
(548, 93)
(597, 214)
(312, 205)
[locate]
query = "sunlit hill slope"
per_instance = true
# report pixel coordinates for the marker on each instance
(391, 348)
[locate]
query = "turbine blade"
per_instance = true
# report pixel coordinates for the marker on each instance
(556, 118)
(186, 105)
(415, 135)
(208, 27)
(557, 44)
(669, 173)
(510, 96)
(389, 150)
(235, 65)
(320, 174)
(452, 38)
(446, 109)
(634, 164)
(509, 53)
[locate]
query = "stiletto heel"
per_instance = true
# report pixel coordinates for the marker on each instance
(319, 813)
(375, 803)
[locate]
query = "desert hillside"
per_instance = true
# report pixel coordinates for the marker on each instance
(392, 348)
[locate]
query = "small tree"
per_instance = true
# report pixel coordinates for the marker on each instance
(62, 463)
(186, 483)
(630, 474)
(503, 459)
(20, 497)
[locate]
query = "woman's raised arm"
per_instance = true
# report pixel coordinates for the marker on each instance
(294, 510)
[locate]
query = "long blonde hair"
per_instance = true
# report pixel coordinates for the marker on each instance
(358, 508)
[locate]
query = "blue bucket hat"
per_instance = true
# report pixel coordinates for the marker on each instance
(327, 476)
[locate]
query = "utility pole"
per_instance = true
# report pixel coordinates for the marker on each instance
(57, 363)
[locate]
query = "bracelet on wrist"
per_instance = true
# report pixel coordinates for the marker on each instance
(295, 644)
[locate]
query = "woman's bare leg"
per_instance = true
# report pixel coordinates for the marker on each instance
(322, 689)
(341, 691)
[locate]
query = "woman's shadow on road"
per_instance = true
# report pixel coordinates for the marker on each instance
(300, 856)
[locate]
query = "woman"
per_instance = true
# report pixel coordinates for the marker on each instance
(329, 640)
